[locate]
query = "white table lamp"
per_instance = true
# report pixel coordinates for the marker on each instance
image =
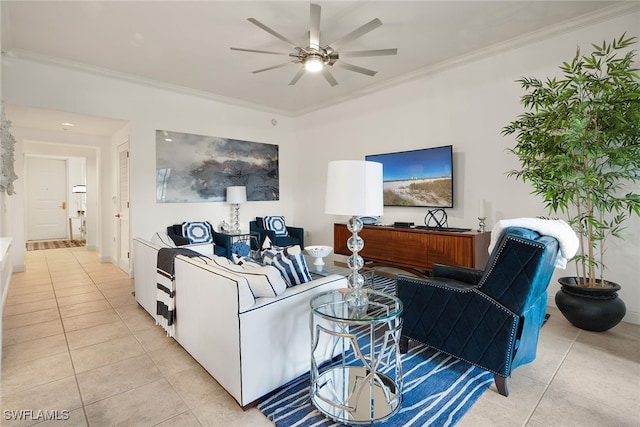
(354, 187)
(235, 196)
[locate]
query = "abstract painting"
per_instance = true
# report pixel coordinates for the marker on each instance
(197, 168)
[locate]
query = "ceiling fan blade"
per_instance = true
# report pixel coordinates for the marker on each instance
(273, 67)
(270, 31)
(258, 51)
(327, 75)
(295, 78)
(355, 68)
(314, 27)
(369, 26)
(363, 53)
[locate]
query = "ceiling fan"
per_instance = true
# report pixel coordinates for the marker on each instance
(315, 57)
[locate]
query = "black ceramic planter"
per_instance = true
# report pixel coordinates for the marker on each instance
(593, 309)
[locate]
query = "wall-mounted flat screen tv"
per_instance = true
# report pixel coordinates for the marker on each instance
(421, 178)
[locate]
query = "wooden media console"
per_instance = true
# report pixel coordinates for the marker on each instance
(416, 249)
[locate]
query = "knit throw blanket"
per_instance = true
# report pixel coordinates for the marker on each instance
(166, 305)
(563, 233)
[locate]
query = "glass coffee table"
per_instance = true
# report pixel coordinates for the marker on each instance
(365, 384)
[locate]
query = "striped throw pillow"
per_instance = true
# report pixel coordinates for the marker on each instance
(290, 262)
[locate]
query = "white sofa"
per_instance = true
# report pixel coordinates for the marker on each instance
(250, 348)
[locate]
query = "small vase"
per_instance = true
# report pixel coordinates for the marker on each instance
(595, 309)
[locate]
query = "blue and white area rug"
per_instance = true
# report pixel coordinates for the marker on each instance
(438, 390)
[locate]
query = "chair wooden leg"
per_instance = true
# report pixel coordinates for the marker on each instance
(404, 344)
(501, 384)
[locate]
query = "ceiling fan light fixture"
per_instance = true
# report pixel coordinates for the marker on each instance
(313, 63)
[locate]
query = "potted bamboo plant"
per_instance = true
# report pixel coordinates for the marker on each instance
(578, 143)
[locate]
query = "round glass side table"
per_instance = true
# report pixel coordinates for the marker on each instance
(365, 384)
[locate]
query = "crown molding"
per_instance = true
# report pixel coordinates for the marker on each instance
(116, 75)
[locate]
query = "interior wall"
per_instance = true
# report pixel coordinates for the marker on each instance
(147, 108)
(466, 106)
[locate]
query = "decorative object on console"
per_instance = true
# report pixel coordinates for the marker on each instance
(210, 164)
(403, 224)
(481, 217)
(290, 262)
(354, 187)
(318, 252)
(369, 220)
(435, 218)
(236, 195)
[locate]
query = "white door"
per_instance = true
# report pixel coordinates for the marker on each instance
(46, 198)
(122, 214)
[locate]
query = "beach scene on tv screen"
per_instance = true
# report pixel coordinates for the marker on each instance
(417, 178)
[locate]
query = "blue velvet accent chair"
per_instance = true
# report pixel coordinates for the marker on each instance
(295, 237)
(222, 243)
(490, 318)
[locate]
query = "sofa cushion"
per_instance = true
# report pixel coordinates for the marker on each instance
(197, 231)
(277, 225)
(263, 280)
(290, 262)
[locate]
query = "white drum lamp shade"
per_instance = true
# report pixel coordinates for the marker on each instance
(354, 187)
(237, 194)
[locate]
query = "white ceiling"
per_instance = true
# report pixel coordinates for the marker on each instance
(185, 44)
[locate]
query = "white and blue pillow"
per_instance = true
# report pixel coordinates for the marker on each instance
(197, 232)
(277, 225)
(290, 262)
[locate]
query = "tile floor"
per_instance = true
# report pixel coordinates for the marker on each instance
(75, 341)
